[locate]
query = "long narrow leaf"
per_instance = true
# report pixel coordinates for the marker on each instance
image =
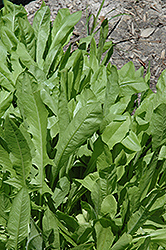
(35, 114)
(60, 38)
(83, 125)
(19, 218)
(20, 151)
(41, 26)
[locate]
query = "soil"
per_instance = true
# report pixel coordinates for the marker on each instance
(139, 35)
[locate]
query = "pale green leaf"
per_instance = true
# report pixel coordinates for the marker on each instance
(161, 84)
(5, 161)
(24, 56)
(98, 83)
(5, 101)
(35, 240)
(50, 100)
(131, 142)
(109, 206)
(50, 223)
(116, 131)
(77, 71)
(5, 205)
(35, 114)
(66, 24)
(89, 181)
(94, 64)
(19, 219)
(6, 78)
(122, 243)
(60, 19)
(97, 196)
(112, 89)
(61, 191)
(158, 237)
(60, 38)
(41, 26)
(20, 151)
(83, 125)
(158, 126)
(137, 220)
(27, 36)
(129, 81)
(162, 154)
(63, 112)
(104, 236)
(8, 38)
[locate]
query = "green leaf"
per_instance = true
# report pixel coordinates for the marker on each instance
(158, 126)
(109, 206)
(145, 244)
(98, 83)
(94, 64)
(5, 161)
(60, 37)
(137, 220)
(19, 218)
(108, 54)
(102, 38)
(35, 240)
(104, 236)
(91, 213)
(66, 24)
(63, 112)
(116, 131)
(35, 114)
(41, 26)
(69, 221)
(122, 243)
(89, 181)
(50, 100)
(158, 237)
(97, 196)
(60, 19)
(61, 191)
(83, 125)
(8, 38)
(77, 71)
(99, 147)
(49, 223)
(3, 50)
(5, 101)
(129, 81)
(24, 56)
(84, 246)
(27, 36)
(5, 205)
(131, 142)
(112, 89)
(6, 78)
(161, 84)
(20, 151)
(162, 154)
(16, 66)
(13, 12)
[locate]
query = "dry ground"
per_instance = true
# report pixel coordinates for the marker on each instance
(140, 36)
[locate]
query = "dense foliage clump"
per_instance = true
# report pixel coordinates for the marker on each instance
(78, 169)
